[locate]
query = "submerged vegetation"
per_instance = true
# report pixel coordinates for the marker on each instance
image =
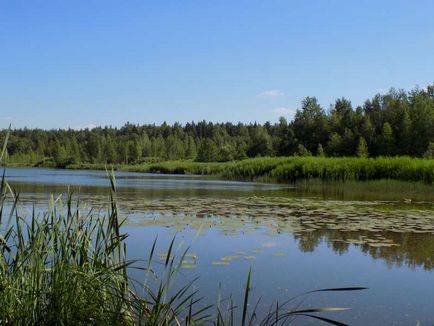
(398, 233)
(68, 266)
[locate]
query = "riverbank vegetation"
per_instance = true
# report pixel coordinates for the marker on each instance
(397, 123)
(292, 169)
(67, 265)
(334, 169)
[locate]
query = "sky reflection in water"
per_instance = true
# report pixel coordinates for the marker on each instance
(308, 237)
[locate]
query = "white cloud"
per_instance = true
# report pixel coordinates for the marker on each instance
(272, 93)
(88, 126)
(283, 111)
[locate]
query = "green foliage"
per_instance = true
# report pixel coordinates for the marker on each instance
(362, 148)
(386, 140)
(290, 169)
(62, 268)
(310, 124)
(302, 151)
(396, 123)
(320, 151)
(430, 151)
(334, 145)
(208, 151)
(260, 143)
(227, 153)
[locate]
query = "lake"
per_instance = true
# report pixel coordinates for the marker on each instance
(295, 238)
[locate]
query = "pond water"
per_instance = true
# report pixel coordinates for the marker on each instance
(295, 238)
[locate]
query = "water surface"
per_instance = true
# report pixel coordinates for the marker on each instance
(294, 237)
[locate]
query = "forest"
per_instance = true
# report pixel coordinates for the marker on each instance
(398, 123)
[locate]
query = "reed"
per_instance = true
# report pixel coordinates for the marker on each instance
(294, 168)
(291, 169)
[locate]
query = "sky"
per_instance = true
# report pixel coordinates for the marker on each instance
(81, 63)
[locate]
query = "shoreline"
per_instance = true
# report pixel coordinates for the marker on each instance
(281, 169)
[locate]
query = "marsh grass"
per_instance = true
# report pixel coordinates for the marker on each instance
(60, 266)
(295, 168)
(291, 169)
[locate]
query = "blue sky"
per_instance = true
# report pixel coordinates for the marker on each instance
(89, 62)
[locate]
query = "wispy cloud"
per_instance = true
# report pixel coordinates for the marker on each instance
(283, 111)
(271, 93)
(87, 126)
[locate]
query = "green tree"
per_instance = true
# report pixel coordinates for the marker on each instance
(109, 151)
(208, 151)
(302, 151)
(334, 145)
(226, 153)
(387, 140)
(342, 116)
(422, 119)
(260, 142)
(320, 151)
(134, 151)
(146, 145)
(60, 157)
(310, 124)
(429, 151)
(174, 148)
(159, 147)
(190, 148)
(94, 150)
(283, 139)
(348, 143)
(362, 148)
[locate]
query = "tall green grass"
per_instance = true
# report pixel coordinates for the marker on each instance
(61, 266)
(291, 169)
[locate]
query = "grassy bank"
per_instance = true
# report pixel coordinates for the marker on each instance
(291, 169)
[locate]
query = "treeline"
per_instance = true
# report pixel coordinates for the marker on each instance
(395, 124)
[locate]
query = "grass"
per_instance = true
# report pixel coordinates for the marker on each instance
(294, 168)
(59, 266)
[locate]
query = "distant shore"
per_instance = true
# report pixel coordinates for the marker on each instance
(286, 169)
